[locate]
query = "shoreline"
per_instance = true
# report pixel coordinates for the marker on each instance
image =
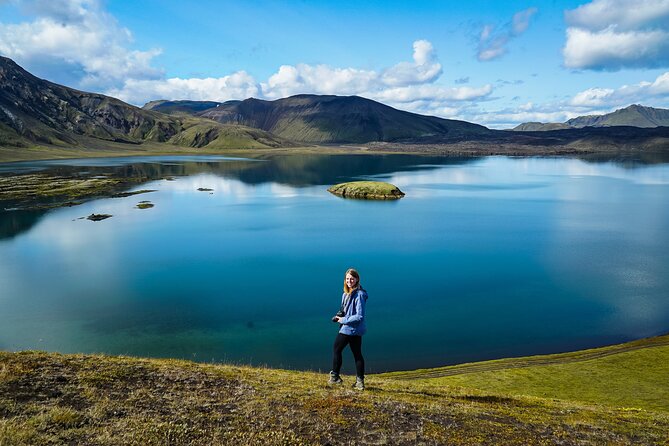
(97, 149)
(539, 359)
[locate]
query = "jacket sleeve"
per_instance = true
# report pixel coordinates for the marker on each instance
(359, 315)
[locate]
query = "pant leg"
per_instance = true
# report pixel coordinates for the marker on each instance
(339, 344)
(356, 347)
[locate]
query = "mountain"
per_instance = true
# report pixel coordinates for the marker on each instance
(177, 107)
(540, 126)
(336, 119)
(34, 111)
(632, 116)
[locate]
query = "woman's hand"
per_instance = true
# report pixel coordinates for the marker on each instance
(338, 319)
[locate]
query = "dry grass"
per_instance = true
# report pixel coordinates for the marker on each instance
(74, 399)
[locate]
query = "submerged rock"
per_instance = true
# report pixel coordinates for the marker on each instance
(98, 217)
(368, 190)
(144, 205)
(130, 194)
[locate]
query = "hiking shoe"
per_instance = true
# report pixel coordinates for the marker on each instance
(334, 379)
(359, 383)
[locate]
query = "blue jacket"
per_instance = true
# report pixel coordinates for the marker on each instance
(353, 322)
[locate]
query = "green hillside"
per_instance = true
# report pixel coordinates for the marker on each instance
(180, 107)
(632, 375)
(615, 395)
(338, 119)
(36, 112)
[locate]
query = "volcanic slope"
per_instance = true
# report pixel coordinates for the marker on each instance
(339, 119)
(34, 112)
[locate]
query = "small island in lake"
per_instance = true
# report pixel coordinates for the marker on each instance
(368, 190)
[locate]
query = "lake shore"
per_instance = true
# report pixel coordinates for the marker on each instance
(92, 148)
(104, 400)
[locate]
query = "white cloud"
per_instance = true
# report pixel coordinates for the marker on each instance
(592, 101)
(592, 97)
(521, 21)
(78, 43)
(615, 34)
(236, 85)
(320, 79)
(425, 67)
(431, 92)
(625, 14)
(643, 92)
(80, 35)
(493, 44)
(405, 85)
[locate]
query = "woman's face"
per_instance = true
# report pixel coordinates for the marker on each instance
(351, 281)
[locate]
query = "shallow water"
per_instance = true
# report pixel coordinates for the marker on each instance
(483, 258)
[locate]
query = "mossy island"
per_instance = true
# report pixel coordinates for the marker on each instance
(367, 190)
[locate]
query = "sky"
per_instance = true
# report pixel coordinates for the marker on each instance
(494, 63)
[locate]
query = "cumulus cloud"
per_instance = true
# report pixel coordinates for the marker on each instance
(493, 42)
(425, 67)
(592, 101)
(81, 36)
(406, 85)
(611, 98)
(78, 43)
(625, 14)
(615, 34)
(320, 79)
(140, 91)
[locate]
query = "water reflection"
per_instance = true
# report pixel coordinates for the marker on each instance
(292, 171)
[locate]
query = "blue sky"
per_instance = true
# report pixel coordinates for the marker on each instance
(490, 62)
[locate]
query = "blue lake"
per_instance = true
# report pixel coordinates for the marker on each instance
(483, 258)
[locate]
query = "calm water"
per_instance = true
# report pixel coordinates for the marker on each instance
(483, 258)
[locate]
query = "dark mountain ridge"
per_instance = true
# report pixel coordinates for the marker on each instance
(36, 111)
(335, 119)
(633, 116)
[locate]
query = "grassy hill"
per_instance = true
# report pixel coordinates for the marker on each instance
(180, 107)
(338, 119)
(615, 395)
(633, 116)
(36, 112)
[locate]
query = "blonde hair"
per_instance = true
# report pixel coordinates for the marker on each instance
(355, 274)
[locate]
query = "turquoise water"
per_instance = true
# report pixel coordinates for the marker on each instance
(483, 258)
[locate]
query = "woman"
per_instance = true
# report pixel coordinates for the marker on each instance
(351, 318)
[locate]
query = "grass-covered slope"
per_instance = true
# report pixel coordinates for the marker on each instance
(180, 107)
(74, 399)
(633, 375)
(36, 112)
(338, 119)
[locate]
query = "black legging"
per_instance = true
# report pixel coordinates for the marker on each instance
(356, 347)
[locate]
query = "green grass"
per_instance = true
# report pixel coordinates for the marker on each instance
(632, 375)
(374, 190)
(48, 398)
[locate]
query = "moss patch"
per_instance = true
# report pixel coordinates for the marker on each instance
(368, 190)
(144, 205)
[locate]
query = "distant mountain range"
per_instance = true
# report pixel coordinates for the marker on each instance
(35, 111)
(633, 116)
(326, 119)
